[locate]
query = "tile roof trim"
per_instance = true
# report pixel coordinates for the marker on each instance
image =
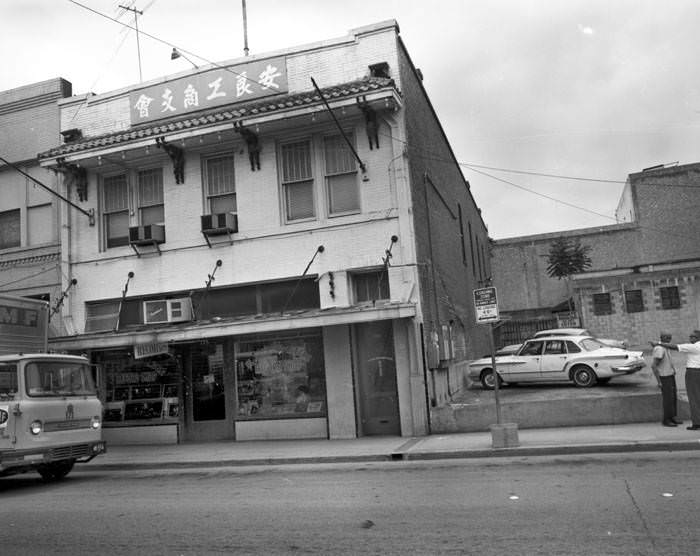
(211, 118)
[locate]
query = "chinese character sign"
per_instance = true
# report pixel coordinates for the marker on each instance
(209, 89)
(486, 305)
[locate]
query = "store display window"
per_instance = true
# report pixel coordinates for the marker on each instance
(281, 377)
(140, 391)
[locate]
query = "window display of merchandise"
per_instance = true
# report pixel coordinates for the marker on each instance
(141, 391)
(281, 378)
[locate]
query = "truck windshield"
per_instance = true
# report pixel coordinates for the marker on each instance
(8, 381)
(58, 378)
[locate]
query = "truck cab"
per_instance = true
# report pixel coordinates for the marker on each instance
(50, 413)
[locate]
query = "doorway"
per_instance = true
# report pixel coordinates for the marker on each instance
(209, 392)
(376, 370)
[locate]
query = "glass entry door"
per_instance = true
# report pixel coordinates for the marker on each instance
(378, 399)
(209, 394)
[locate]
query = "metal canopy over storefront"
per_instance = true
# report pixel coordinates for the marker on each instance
(200, 330)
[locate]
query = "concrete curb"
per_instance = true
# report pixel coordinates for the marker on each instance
(520, 451)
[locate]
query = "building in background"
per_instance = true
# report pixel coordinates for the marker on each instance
(283, 246)
(644, 272)
(30, 216)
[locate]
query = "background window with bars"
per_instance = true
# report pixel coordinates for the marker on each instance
(221, 184)
(670, 298)
(150, 183)
(602, 304)
(115, 210)
(634, 301)
(341, 175)
(298, 180)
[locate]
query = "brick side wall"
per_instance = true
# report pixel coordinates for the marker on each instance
(438, 191)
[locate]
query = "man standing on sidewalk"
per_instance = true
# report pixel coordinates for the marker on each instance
(665, 374)
(692, 374)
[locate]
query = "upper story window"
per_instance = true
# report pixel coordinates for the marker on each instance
(602, 304)
(341, 176)
(115, 198)
(302, 161)
(670, 299)
(298, 180)
(220, 184)
(118, 202)
(10, 234)
(634, 301)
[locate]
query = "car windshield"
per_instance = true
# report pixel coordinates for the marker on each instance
(58, 378)
(590, 344)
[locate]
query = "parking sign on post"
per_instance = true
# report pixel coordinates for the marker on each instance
(486, 305)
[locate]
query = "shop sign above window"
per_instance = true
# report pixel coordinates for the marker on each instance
(209, 89)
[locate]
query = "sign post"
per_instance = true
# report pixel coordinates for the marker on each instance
(503, 435)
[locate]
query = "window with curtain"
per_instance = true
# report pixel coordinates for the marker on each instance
(298, 180)
(341, 175)
(150, 184)
(221, 185)
(115, 209)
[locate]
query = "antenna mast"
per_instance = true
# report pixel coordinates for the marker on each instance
(245, 30)
(137, 13)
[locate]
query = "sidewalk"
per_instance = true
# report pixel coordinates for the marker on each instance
(637, 437)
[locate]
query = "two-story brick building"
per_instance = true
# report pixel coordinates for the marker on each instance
(30, 261)
(644, 272)
(283, 246)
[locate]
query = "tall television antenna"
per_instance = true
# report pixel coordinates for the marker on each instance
(137, 13)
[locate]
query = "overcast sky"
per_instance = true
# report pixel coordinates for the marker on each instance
(590, 89)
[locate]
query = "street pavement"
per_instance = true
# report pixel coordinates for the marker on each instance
(636, 437)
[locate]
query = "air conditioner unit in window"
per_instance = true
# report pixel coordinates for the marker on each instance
(160, 311)
(221, 223)
(147, 235)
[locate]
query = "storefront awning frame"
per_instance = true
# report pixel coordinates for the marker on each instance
(202, 330)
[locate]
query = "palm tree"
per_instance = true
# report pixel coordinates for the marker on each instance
(566, 257)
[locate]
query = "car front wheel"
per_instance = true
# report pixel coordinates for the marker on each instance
(583, 376)
(487, 380)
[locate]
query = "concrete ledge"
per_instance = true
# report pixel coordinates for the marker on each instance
(573, 411)
(142, 434)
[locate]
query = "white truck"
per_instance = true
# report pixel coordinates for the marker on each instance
(50, 414)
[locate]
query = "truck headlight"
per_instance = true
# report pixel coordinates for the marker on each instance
(35, 427)
(96, 423)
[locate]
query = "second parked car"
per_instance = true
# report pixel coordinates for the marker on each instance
(583, 360)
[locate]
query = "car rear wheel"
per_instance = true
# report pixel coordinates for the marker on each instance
(583, 376)
(55, 471)
(487, 380)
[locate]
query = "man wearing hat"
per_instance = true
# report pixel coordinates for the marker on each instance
(692, 374)
(665, 374)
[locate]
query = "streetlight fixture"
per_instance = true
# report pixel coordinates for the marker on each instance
(175, 54)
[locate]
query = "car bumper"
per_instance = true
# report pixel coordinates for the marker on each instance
(629, 368)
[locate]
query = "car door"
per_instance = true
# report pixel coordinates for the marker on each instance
(553, 360)
(525, 365)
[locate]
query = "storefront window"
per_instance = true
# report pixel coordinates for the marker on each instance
(281, 377)
(140, 390)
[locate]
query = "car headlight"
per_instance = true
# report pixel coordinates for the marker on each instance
(35, 427)
(96, 423)
(3, 416)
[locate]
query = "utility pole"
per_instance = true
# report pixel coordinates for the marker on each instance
(137, 13)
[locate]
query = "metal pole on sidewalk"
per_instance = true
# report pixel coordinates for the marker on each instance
(495, 376)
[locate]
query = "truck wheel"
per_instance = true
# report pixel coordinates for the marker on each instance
(55, 471)
(583, 376)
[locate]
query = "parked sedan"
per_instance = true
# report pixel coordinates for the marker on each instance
(583, 360)
(579, 332)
